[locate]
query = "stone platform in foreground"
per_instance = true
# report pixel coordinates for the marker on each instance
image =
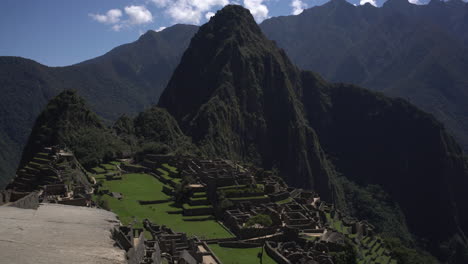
(56, 234)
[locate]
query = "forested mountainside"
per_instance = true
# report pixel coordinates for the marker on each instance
(238, 96)
(403, 50)
(416, 52)
(127, 79)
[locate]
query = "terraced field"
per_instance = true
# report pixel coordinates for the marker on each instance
(145, 187)
(373, 249)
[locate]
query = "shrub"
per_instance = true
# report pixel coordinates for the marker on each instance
(261, 219)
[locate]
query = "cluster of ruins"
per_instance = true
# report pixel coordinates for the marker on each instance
(298, 227)
(51, 176)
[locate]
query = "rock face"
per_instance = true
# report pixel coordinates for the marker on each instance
(238, 96)
(58, 234)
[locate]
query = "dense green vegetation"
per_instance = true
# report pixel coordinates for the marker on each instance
(416, 52)
(69, 123)
(263, 220)
(245, 106)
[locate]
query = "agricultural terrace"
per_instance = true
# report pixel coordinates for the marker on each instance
(373, 250)
(144, 187)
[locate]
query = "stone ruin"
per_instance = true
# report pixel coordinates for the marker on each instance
(300, 231)
(46, 175)
(165, 246)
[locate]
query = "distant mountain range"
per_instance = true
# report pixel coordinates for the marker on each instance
(127, 79)
(417, 52)
(236, 95)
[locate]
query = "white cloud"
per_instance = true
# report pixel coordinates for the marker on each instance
(188, 11)
(372, 2)
(160, 29)
(257, 8)
(138, 15)
(117, 27)
(135, 15)
(111, 17)
(416, 2)
(193, 11)
(298, 6)
(209, 15)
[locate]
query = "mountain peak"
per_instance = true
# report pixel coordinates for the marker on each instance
(237, 96)
(231, 34)
(232, 19)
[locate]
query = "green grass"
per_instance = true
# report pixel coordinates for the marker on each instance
(108, 166)
(136, 187)
(287, 200)
(172, 169)
(240, 255)
(115, 163)
(188, 206)
(98, 170)
(199, 199)
(163, 173)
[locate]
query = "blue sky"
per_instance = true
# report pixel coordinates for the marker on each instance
(64, 32)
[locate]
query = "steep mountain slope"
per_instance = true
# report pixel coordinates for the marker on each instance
(376, 140)
(415, 52)
(238, 96)
(68, 122)
(126, 80)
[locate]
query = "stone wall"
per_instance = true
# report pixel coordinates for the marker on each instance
(275, 197)
(250, 232)
(15, 196)
(167, 190)
(136, 254)
(75, 202)
(133, 168)
(156, 257)
(274, 254)
(5, 196)
(30, 201)
(252, 201)
(121, 239)
(239, 244)
(55, 189)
